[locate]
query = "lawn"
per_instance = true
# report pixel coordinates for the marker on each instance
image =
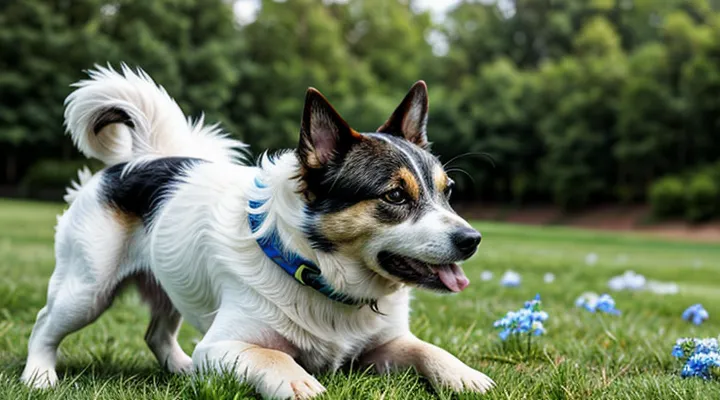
(582, 356)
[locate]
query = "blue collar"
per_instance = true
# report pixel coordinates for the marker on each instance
(303, 271)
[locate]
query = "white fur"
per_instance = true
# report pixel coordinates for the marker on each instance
(161, 128)
(84, 176)
(257, 321)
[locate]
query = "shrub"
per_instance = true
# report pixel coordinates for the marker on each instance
(667, 197)
(714, 171)
(702, 197)
(51, 176)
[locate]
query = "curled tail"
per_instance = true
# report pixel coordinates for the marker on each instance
(123, 117)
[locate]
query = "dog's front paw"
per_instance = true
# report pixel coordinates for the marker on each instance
(179, 363)
(306, 389)
(461, 378)
(291, 385)
(38, 378)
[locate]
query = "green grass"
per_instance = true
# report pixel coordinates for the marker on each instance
(583, 356)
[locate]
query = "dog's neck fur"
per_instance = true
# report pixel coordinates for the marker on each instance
(285, 209)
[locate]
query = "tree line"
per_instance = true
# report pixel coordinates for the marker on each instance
(570, 102)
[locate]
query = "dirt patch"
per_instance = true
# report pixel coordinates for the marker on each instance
(612, 218)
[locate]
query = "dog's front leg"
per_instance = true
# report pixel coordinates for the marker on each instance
(436, 364)
(273, 373)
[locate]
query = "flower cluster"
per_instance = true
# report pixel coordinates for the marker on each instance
(696, 314)
(701, 357)
(527, 320)
(510, 279)
(632, 281)
(594, 303)
(627, 281)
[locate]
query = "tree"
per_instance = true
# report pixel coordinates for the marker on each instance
(44, 45)
(579, 121)
(649, 120)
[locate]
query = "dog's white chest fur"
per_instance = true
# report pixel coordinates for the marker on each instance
(325, 339)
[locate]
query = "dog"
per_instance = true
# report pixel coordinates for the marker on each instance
(300, 264)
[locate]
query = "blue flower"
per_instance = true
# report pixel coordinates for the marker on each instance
(706, 346)
(701, 365)
(527, 320)
(687, 371)
(537, 328)
(510, 279)
(541, 316)
(684, 347)
(678, 352)
(504, 334)
(594, 303)
(606, 304)
(535, 302)
(696, 314)
(701, 357)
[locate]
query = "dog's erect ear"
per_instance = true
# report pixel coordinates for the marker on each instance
(410, 118)
(324, 136)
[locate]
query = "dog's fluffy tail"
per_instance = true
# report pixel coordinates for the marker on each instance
(125, 117)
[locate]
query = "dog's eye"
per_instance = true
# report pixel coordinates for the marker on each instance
(395, 196)
(449, 188)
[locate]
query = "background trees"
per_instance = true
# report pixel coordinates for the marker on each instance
(570, 102)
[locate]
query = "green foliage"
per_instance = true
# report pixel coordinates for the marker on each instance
(572, 102)
(667, 197)
(703, 197)
(52, 175)
(694, 194)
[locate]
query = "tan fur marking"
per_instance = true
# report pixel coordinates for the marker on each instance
(269, 359)
(410, 183)
(352, 224)
(282, 366)
(126, 220)
(440, 179)
(357, 135)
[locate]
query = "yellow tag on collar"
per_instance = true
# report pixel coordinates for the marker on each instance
(298, 273)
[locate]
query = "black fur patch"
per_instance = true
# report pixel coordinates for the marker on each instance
(141, 191)
(110, 116)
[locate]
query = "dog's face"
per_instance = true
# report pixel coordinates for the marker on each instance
(382, 198)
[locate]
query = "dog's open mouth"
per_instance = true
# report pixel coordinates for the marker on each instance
(442, 277)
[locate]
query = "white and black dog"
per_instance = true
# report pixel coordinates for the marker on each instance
(299, 265)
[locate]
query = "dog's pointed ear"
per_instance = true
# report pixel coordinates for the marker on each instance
(325, 137)
(409, 120)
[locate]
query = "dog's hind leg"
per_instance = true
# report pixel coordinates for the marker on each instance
(89, 245)
(72, 304)
(165, 321)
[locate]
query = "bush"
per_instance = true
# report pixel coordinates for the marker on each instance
(714, 171)
(702, 197)
(51, 176)
(667, 197)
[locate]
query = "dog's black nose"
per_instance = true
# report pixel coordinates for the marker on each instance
(466, 240)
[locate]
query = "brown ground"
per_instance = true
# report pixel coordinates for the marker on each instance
(616, 218)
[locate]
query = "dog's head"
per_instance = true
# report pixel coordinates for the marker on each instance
(382, 198)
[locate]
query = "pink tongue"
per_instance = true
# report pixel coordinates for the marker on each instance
(453, 277)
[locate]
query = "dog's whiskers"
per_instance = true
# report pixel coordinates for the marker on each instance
(451, 170)
(477, 153)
